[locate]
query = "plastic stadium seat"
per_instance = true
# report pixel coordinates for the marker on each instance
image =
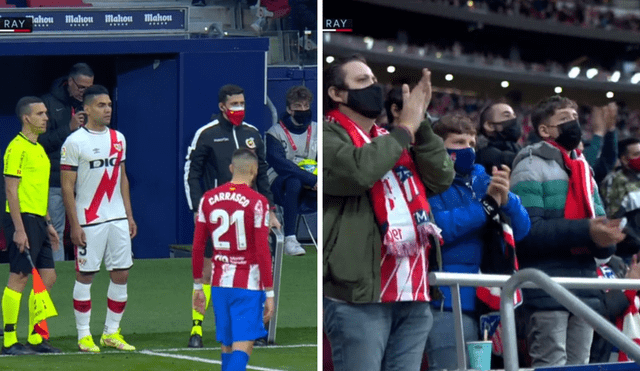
(3, 4)
(56, 3)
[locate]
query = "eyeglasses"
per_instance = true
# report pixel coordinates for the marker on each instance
(80, 87)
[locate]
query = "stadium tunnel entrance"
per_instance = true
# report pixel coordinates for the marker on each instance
(162, 90)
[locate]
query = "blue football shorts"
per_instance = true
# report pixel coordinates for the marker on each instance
(238, 314)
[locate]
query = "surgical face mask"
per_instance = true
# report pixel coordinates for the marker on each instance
(570, 135)
(634, 164)
(368, 102)
(511, 130)
(302, 118)
(235, 115)
(463, 159)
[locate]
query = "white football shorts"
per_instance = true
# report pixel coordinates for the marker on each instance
(109, 241)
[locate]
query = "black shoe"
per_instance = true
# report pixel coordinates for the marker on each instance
(17, 349)
(198, 3)
(195, 341)
(262, 342)
(43, 347)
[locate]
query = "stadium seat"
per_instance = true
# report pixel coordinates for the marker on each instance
(3, 4)
(56, 3)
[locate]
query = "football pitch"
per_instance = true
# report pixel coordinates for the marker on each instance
(157, 321)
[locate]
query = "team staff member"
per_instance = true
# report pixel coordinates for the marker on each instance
(26, 174)
(66, 114)
(242, 261)
(100, 216)
(207, 167)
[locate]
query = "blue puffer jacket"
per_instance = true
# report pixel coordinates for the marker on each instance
(460, 215)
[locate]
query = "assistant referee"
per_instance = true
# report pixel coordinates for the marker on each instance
(28, 226)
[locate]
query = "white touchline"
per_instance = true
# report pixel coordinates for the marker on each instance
(165, 350)
(203, 360)
(218, 348)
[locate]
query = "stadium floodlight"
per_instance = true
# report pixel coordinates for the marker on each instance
(592, 72)
(505, 84)
(391, 69)
(368, 42)
(636, 78)
(558, 89)
(574, 72)
(330, 59)
(615, 77)
(448, 77)
(609, 94)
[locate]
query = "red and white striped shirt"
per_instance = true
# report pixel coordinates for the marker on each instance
(236, 218)
(404, 278)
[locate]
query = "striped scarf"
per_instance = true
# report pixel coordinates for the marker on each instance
(399, 198)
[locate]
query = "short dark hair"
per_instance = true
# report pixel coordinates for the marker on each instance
(244, 153)
(623, 146)
(334, 76)
(241, 158)
(484, 116)
(548, 107)
(93, 91)
(393, 96)
(228, 90)
(297, 94)
(453, 123)
(80, 69)
(23, 106)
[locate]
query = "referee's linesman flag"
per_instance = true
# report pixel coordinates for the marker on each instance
(41, 305)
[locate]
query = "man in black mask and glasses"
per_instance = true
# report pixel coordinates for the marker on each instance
(569, 236)
(66, 114)
(500, 127)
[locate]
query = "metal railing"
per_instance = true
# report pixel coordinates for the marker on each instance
(532, 278)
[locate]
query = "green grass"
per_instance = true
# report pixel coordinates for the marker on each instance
(158, 316)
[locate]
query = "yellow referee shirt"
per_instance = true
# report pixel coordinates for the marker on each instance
(28, 161)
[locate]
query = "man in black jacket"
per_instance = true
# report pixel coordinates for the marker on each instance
(207, 166)
(498, 126)
(65, 110)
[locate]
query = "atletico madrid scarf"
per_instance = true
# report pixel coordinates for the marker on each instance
(399, 198)
(579, 204)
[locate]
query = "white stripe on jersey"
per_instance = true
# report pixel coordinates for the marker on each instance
(403, 280)
(187, 165)
(228, 274)
(254, 277)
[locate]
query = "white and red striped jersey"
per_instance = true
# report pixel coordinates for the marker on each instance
(96, 157)
(404, 278)
(236, 218)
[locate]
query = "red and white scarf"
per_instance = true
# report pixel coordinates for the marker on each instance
(401, 210)
(629, 323)
(579, 204)
(399, 197)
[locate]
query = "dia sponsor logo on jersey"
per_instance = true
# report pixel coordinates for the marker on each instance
(107, 162)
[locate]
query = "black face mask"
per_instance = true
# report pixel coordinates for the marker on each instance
(511, 131)
(368, 101)
(570, 135)
(302, 118)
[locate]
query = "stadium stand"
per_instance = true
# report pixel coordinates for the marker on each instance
(515, 52)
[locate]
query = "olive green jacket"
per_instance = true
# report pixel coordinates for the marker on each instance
(351, 237)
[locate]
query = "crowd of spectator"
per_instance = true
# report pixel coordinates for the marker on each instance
(588, 14)
(471, 104)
